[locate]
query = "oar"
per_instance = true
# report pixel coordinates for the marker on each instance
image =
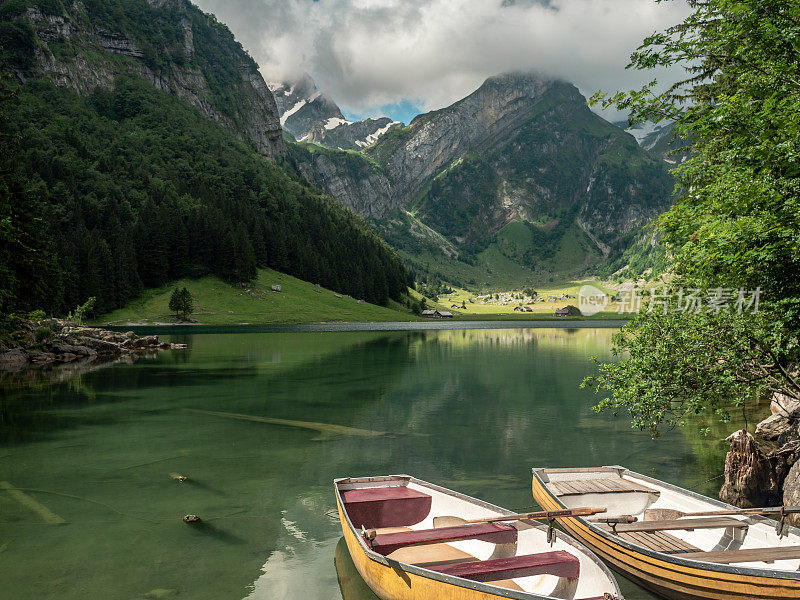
(668, 514)
(544, 514)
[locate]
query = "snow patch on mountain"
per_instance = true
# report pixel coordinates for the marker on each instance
(334, 122)
(373, 137)
(291, 111)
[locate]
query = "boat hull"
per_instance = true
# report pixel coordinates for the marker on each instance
(393, 579)
(666, 575)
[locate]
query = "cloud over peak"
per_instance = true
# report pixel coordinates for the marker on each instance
(370, 53)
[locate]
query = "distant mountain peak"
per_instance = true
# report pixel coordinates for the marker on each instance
(311, 116)
(302, 106)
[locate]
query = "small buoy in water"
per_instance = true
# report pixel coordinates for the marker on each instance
(191, 519)
(177, 477)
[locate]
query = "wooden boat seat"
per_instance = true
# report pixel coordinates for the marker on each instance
(437, 555)
(432, 555)
(681, 524)
(386, 506)
(498, 533)
(597, 486)
(658, 541)
(766, 555)
(559, 563)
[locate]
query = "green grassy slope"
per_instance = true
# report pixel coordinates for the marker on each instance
(221, 303)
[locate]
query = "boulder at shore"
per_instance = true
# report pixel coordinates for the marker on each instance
(27, 343)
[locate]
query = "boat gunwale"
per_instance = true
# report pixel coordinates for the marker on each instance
(675, 558)
(451, 579)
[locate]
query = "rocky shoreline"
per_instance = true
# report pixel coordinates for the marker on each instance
(33, 343)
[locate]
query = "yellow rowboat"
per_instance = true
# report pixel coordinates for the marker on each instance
(411, 540)
(677, 555)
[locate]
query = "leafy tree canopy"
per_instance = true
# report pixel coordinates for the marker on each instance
(736, 221)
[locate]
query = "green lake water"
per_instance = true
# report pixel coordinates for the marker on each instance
(261, 423)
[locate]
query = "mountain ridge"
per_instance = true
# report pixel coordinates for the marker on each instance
(309, 115)
(522, 148)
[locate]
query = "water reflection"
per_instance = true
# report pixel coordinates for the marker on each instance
(351, 585)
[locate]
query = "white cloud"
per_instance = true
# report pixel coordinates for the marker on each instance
(366, 53)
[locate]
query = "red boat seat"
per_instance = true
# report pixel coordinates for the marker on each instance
(386, 506)
(559, 563)
(386, 543)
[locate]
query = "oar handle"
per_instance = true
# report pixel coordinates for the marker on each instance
(626, 519)
(774, 510)
(545, 514)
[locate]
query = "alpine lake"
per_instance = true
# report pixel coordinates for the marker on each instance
(260, 422)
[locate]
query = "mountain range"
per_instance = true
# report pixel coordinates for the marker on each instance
(519, 180)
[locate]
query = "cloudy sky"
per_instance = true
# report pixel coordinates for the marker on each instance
(402, 57)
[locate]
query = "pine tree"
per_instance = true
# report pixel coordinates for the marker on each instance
(27, 266)
(186, 302)
(175, 302)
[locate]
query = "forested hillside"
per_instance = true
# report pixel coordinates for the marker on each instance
(124, 186)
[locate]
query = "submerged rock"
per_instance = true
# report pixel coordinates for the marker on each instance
(160, 594)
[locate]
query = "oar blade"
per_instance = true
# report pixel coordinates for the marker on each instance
(662, 514)
(446, 521)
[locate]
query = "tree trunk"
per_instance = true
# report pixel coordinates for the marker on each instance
(791, 492)
(749, 477)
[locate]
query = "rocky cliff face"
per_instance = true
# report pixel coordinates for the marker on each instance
(356, 182)
(481, 121)
(182, 51)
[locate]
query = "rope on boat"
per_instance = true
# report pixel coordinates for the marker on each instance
(709, 480)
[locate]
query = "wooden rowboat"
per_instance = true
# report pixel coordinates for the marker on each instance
(400, 534)
(730, 557)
